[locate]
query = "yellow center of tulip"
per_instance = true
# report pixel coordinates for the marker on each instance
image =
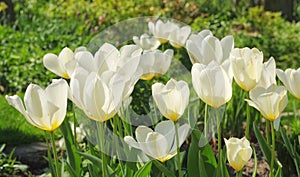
(162, 41)
(163, 159)
(66, 76)
(174, 117)
(148, 77)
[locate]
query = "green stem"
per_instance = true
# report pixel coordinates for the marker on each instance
(273, 149)
(178, 150)
(248, 122)
(268, 132)
(219, 142)
(205, 120)
(255, 162)
(101, 140)
(56, 163)
(239, 173)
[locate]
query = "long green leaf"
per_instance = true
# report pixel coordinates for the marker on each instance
(192, 161)
(96, 161)
(144, 171)
(202, 166)
(265, 148)
(163, 169)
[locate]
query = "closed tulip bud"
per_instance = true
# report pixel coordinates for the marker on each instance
(161, 143)
(172, 98)
(45, 109)
(291, 80)
(238, 152)
(247, 65)
(269, 101)
(212, 83)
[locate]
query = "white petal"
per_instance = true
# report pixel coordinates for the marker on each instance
(51, 62)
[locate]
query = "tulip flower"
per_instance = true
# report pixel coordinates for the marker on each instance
(238, 152)
(161, 143)
(179, 36)
(268, 75)
(146, 42)
(162, 30)
(63, 64)
(291, 80)
(204, 48)
(45, 109)
(99, 97)
(247, 65)
(212, 83)
(270, 102)
(172, 98)
(155, 63)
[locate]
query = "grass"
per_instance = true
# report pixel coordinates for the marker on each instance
(14, 129)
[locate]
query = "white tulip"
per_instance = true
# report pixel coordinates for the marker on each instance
(155, 63)
(179, 36)
(99, 97)
(239, 152)
(162, 30)
(172, 98)
(268, 75)
(161, 143)
(212, 83)
(146, 42)
(291, 80)
(270, 102)
(204, 48)
(62, 65)
(45, 109)
(247, 66)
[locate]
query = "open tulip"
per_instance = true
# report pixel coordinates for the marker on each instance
(45, 109)
(212, 83)
(179, 36)
(291, 80)
(247, 65)
(161, 143)
(172, 98)
(146, 42)
(238, 152)
(204, 48)
(162, 30)
(155, 63)
(269, 101)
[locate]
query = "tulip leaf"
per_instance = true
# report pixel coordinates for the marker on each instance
(95, 160)
(202, 166)
(192, 160)
(144, 171)
(262, 144)
(74, 159)
(163, 169)
(208, 157)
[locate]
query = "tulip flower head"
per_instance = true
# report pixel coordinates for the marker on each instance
(179, 36)
(268, 75)
(172, 98)
(161, 143)
(270, 102)
(238, 152)
(63, 64)
(45, 109)
(204, 48)
(155, 63)
(212, 83)
(162, 30)
(146, 42)
(291, 80)
(247, 65)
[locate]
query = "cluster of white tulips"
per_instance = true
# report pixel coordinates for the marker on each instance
(100, 83)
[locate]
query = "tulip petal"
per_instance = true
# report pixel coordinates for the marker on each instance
(131, 142)
(141, 133)
(227, 45)
(51, 62)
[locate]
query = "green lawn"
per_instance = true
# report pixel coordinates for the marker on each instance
(14, 129)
